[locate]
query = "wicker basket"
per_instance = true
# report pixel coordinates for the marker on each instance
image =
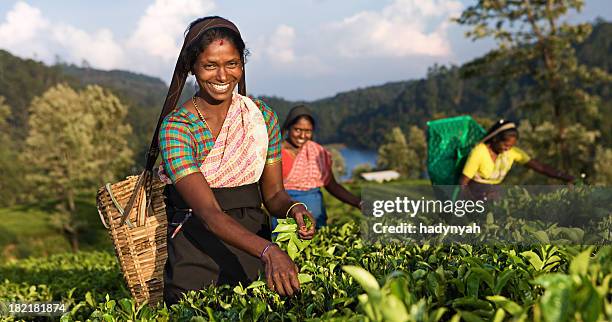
(140, 240)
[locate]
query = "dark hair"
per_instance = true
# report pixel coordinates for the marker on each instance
(295, 114)
(200, 43)
(295, 120)
(503, 135)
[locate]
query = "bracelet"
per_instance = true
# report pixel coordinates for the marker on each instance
(295, 204)
(263, 252)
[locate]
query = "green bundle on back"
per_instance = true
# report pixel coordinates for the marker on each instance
(449, 142)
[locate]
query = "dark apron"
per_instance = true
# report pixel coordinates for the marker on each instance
(196, 257)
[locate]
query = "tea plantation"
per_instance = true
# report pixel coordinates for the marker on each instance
(347, 278)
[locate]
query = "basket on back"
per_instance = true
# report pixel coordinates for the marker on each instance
(449, 142)
(139, 237)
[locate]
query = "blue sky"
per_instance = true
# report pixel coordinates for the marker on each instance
(301, 49)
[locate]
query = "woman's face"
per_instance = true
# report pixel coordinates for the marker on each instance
(300, 132)
(218, 70)
(505, 145)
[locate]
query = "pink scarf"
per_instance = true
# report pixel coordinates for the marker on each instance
(239, 154)
(311, 168)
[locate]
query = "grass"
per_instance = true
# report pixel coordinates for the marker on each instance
(30, 231)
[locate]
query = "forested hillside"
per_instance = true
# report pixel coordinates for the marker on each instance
(357, 118)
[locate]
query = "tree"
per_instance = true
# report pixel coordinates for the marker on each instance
(418, 143)
(535, 46)
(603, 166)
(76, 142)
(534, 139)
(395, 154)
(359, 169)
(10, 171)
(338, 163)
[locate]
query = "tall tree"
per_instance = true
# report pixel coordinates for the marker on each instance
(417, 142)
(76, 142)
(534, 139)
(338, 163)
(536, 45)
(10, 171)
(395, 154)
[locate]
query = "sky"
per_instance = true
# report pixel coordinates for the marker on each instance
(300, 49)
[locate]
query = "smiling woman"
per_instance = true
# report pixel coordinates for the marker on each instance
(307, 166)
(221, 160)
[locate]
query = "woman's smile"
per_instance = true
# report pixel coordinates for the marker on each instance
(219, 88)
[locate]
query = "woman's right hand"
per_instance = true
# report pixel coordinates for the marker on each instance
(281, 272)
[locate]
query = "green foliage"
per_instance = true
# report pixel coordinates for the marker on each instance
(76, 141)
(407, 156)
(394, 153)
(10, 171)
(144, 95)
(21, 81)
(338, 163)
(358, 118)
(288, 238)
(30, 230)
(603, 165)
(350, 279)
(418, 143)
(536, 44)
(536, 140)
(359, 169)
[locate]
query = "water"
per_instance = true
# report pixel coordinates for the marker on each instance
(353, 157)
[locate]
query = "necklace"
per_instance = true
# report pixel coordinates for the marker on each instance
(193, 99)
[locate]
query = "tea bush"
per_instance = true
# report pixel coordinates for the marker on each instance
(346, 278)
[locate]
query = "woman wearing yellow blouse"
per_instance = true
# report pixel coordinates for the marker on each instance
(492, 158)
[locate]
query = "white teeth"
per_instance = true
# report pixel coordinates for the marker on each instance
(220, 87)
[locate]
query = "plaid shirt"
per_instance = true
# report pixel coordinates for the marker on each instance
(185, 141)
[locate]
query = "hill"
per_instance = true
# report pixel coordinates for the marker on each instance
(357, 118)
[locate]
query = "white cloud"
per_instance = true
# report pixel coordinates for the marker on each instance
(279, 51)
(19, 36)
(280, 45)
(150, 49)
(156, 34)
(27, 33)
(403, 28)
(99, 48)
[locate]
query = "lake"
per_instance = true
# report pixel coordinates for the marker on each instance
(353, 157)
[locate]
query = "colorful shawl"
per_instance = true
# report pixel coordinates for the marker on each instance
(239, 153)
(311, 168)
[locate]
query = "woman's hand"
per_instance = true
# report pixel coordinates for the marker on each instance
(298, 212)
(281, 272)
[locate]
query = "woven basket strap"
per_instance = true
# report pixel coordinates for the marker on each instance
(102, 217)
(124, 218)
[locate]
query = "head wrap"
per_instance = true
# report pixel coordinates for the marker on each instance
(295, 113)
(181, 70)
(505, 127)
(180, 76)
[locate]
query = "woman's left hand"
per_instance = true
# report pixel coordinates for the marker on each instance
(298, 213)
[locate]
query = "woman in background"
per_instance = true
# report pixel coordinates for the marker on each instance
(490, 161)
(307, 166)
